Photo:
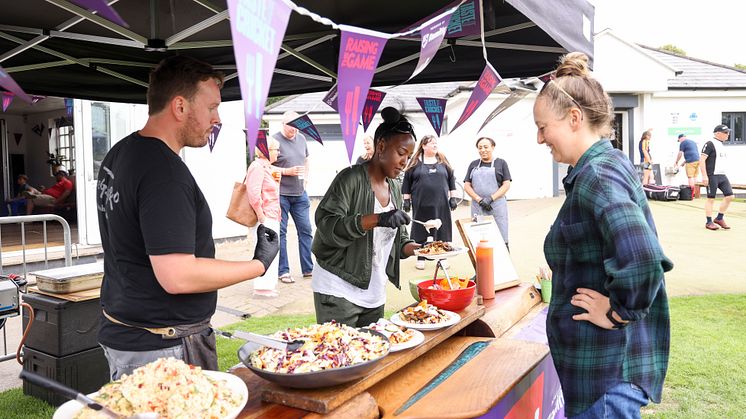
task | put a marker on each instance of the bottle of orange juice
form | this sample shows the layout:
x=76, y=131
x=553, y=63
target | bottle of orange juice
x=485, y=270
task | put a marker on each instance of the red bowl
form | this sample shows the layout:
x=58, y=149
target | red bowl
x=452, y=300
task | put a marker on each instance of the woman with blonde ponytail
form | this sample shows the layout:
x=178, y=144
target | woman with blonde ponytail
x=608, y=321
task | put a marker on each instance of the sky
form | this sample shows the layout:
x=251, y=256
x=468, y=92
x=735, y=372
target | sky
x=713, y=30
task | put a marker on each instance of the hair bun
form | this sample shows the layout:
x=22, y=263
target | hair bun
x=390, y=115
x=573, y=64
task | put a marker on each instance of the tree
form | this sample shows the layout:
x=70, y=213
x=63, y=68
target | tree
x=740, y=66
x=673, y=48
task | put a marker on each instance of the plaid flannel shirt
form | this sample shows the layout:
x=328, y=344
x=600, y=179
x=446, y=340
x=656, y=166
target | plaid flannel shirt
x=604, y=238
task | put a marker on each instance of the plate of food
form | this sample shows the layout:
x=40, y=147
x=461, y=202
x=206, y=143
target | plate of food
x=439, y=250
x=169, y=387
x=401, y=337
x=331, y=354
x=425, y=316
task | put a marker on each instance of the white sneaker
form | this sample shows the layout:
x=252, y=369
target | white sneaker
x=420, y=265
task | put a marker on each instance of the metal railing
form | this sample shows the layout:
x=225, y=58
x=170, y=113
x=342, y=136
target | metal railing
x=23, y=220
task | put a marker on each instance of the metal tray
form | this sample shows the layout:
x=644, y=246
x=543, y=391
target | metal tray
x=68, y=285
x=315, y=379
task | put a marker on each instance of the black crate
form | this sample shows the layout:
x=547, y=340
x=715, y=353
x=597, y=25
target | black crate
x=84, y=371
x=62, y=327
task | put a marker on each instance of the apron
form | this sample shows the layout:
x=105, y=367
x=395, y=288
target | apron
x=484, y=183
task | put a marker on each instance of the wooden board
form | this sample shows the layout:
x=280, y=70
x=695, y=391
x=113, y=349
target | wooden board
x=507, y=308
x=505, y=275
x=327, y=399
x=75, y=297
x=472, y=389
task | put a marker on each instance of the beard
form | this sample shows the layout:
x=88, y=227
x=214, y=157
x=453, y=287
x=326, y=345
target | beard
x=190, y=135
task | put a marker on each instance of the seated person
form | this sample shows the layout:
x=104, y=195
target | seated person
x=51, y=197
x=18, y=203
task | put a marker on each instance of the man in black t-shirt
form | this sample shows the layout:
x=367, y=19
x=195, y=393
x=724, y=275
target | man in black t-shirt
x=713, y=166
x=160, y=276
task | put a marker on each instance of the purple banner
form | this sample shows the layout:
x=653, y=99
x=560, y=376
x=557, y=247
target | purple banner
x=372, y=103
x=431, y=37
x=331, y=98
x=358, y=60
x=7, y=83
x=304, y=124
x=103, y=10
x=7, y=100
x=261, y=141
x=434, y=108
x=69, y=107
x=213, y=138
x=257, y=28
x=546, y=77
x=486, y=84
x=18, y=138
x=465, y=21
x=509, y=101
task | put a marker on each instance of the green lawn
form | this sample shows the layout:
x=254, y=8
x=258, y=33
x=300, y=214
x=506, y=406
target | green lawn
x=705, y=377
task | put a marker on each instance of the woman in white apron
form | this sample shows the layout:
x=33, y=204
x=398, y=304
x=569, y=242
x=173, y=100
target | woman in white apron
x=487, y=181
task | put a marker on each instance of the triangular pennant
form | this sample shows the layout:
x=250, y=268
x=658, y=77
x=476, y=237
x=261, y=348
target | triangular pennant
x=69, y=106
x=261, y=141
x=372, y=102
x=7, y=83
x=331, y=98
x=434, y=109
x=213, y=138
x=431, y=37
x=18, y=136
x=509, y=101
x=358, y=60
x=7, y=100
x=465, y=21
x=103, y=10
x=38, y=129
x=36, y=99
x=486, y=84
x=305, y=125
x=546, y=77
x=257, y=29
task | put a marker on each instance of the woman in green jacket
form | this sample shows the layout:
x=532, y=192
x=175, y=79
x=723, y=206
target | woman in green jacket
x=361, y=230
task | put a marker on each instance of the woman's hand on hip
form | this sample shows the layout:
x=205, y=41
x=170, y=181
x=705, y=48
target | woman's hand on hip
x=595, y=304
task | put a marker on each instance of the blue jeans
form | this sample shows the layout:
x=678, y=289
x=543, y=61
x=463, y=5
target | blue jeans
x=622, y=401
x=299, y=207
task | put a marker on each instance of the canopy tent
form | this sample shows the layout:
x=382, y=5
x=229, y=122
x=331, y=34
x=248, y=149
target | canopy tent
x=55, y=48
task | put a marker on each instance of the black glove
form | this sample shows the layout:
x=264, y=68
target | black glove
x=485, y=203
x=393, y=219
x=407, y=205
x=267, y=246
x=453, y=203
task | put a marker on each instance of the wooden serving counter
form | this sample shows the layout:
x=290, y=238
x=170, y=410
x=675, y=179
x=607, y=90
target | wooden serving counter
x=470, y=391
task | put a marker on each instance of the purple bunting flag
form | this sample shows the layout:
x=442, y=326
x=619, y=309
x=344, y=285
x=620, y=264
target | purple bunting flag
x=372, y=103
x=509, y=101
x=331, y=98
x=431, y=37
x=18, y=137
x=434, y=109
x=358, y=60
x=103, y=10
x=213, y=138
x=546, y=77
x=486, y=84
x=7, y=83
x=305, y=125
x=69, y=106
x=7, y=100
x=465, y=21
x=261, y=141
x=257, y=27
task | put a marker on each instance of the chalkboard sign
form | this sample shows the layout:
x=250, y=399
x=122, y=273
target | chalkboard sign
x=472, y=232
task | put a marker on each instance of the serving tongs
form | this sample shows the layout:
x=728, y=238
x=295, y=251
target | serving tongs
x=270, y=341
x=439, y=265
x=69, y=393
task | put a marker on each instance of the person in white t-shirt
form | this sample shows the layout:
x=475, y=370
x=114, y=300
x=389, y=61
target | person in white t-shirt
x=713, y=163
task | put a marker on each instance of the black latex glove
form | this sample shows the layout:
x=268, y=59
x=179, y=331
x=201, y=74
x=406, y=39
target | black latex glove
x=393, y=219
x=453, y=203
x=267, y=246
x=407, y=205
x=485, y=204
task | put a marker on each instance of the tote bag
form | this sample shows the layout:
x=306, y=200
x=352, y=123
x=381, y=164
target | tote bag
x=239, y=209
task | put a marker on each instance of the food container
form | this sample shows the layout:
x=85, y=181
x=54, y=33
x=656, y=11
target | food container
x=452, y=300
x=70, y=279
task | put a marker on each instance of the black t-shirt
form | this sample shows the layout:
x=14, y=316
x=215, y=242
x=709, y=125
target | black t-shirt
x=502, y=173
x=148, y=204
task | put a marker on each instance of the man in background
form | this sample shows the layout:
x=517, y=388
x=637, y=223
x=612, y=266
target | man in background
x=53, y=196
x=293, y=164
x=689, y=150
x=713, y=162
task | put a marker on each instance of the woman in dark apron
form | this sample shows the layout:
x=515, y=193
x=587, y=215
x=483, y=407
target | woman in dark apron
x=487, y=181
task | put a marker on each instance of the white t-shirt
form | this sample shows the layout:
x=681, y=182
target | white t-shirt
x=325, y=282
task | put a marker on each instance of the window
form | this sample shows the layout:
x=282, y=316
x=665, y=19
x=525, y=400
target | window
x=62, y=144
x=330, y=132
x=100, y=133
x=737, y=123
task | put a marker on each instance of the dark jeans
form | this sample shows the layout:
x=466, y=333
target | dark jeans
x=329, y=307
x=624, y=400
x=299, y=207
